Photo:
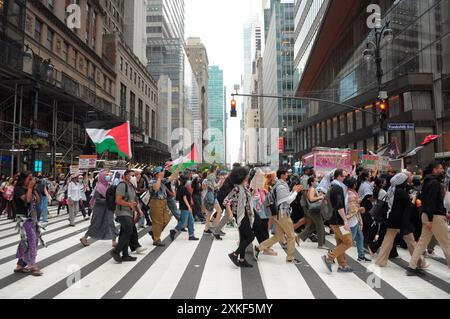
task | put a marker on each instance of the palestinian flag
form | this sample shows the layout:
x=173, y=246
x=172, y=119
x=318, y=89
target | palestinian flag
x=113, y=137
x=189, y=160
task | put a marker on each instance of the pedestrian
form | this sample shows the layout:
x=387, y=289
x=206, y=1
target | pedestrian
x=8, y=197
x=184, y=198
x=365, y=193
x=225, y=186
x=284, y=227
x=159, y=210
x=339, y=223
x=25, y=200
x=127, y=207
x=354, y=218
x=314, y=201
x=434, y=218
x=83, y=198
x=171, y=203
x=398, y=219
x=102, y=222
x=260, y=226
x=143, y=187
x=238, y=202
x=73, y=199
x=61, y=193
x=197, y=198
x=43, y=191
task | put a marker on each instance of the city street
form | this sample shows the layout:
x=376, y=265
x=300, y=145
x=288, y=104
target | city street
x=187, y=270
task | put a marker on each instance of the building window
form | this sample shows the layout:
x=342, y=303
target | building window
x=359, y=120
x=147, y=120
x=121, y=64
x=395, y=106
x=368, y=115
x=140, y=111
x=126, y=69
x=65, y=51
x=50, y=36
x=37, y=30
x=335, y=128
x=153, y=124
x=132, y=106
x=350, y=122
x=329, y=130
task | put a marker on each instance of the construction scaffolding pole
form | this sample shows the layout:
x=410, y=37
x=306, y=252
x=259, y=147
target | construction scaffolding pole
x=71, y=146
x=19, y=154
x=14, y=131
x=54, y=131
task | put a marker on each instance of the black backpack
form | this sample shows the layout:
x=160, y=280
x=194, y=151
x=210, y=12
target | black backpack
x=111, y=196
x=272, y=201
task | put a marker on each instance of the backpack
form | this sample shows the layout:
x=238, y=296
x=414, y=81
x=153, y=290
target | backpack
x=326, y=209
x=272, y=202
x=111, y=196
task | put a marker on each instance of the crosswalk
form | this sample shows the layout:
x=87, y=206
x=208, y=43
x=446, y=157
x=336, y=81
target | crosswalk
x=201, y=270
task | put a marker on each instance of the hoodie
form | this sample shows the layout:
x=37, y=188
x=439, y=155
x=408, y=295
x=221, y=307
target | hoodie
x=432, y=197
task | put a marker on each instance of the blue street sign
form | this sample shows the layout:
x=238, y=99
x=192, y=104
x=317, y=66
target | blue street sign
x=401, y=127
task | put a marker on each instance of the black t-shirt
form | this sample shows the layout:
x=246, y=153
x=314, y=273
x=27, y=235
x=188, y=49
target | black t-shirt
x=19, y=204
x=182, y=191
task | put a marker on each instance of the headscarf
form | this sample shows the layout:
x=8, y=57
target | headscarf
x=325, y=183
x=345, y=190
x=102, y=184
x=365, y=189
x=397, y=180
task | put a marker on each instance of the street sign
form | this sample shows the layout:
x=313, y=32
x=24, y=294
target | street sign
x=401, y=127
x=88, y=161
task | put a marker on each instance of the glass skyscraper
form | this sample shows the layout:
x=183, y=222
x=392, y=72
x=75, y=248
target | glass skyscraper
x=216, y=114
x=278, y=77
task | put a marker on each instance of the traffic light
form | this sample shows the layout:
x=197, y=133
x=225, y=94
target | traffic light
x=383, y=106
x=233, y=112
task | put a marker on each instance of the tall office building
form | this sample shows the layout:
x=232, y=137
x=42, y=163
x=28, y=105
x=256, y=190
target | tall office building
x=166, y=55
x=198, y=57
x=278, y=77
x=134, y=28
x=216, y=114
x=165, y=19
x=114, y=19
x=308, y=18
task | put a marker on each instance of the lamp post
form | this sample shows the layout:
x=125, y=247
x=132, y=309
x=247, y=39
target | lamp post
x=41, y=69
x=373, y=52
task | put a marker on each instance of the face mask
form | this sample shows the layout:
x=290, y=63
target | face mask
x=133, y=181
x=108, y=178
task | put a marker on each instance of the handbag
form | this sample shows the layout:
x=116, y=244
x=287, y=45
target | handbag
x=314, y=207
x=447, y=201
x=378, y=211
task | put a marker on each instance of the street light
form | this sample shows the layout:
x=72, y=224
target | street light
x=43, y=70
x=373, y=51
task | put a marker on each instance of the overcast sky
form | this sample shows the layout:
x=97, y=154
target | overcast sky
x=220, y=23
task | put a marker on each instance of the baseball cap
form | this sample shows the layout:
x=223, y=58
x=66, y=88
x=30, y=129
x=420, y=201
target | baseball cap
x=157, y=170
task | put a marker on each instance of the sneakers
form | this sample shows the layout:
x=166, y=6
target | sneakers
x=294, y=261
x=415, y=272
x=217, y=237
x=256, y=252
x=173, y=232
x=222, y=233
x=129, y=258
x=140, y=250
x=313, y=238
x=327, y=263
x=234, y=259
x=345, y=269
x=245, y=264
x=116, y=256
x=207, y=232
x=193, y=238
x=364, y=259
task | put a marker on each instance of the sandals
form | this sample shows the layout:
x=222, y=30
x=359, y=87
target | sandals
x=22, y=271
x=36, y=272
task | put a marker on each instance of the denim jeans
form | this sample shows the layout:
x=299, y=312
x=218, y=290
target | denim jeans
x=173, y=207
x=358, y=237
x=43, y=209
x=186, y=218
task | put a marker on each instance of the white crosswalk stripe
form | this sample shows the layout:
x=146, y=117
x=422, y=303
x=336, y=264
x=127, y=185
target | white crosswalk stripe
x=189, y=269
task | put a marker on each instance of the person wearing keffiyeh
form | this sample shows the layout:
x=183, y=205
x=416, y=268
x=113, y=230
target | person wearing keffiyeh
x=238, y=201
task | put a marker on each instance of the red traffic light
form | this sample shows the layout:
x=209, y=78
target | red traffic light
x=233, y=108
x=383, y=106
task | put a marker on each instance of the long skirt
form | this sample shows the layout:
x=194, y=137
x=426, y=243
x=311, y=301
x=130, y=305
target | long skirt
x=27, y=249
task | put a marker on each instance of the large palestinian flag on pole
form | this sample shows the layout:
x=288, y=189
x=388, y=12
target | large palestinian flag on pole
x=113, y=137
x=189, y=160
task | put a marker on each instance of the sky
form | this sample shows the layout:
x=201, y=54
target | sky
x=220, y=25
